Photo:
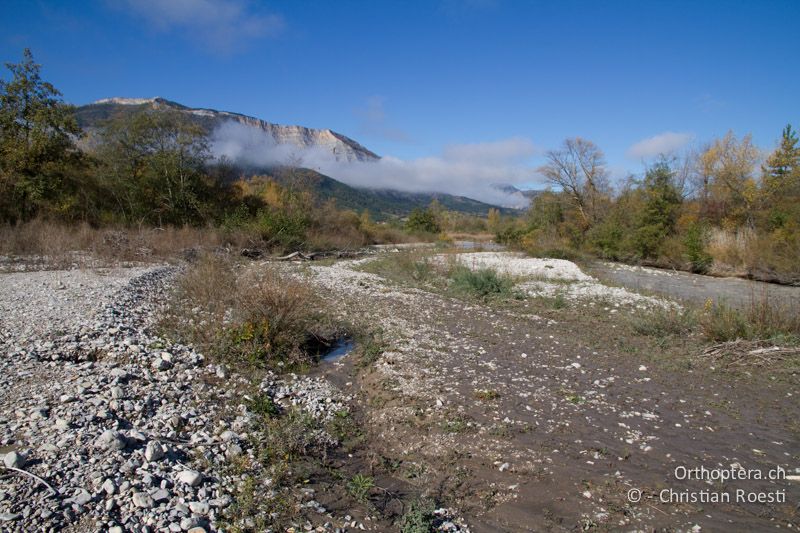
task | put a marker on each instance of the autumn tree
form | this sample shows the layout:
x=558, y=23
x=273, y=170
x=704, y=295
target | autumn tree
x=37, y=132
x=579, y=169
x=154, y=166
x=730, y=163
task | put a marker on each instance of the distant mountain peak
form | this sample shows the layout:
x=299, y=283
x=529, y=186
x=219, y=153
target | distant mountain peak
x=126, y=101
x=342, y=147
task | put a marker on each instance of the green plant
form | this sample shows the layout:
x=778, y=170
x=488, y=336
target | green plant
x=481, y=283
x=695, y=241
x=372, y=347
x=264, y=405
x=487, y=395
x=419, y=518
x=422, y=221
x=360, y=486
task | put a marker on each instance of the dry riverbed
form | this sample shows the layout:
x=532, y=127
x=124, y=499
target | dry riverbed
x=540, y=411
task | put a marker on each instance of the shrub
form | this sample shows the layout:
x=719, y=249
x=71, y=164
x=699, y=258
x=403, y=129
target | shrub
x=695, y=241
x=422, y=221
x=482, y=283
x=419, y=518
x=256, y=317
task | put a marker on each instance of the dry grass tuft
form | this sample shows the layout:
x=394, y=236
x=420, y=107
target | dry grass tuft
x=250, y=317
x=58, y=245
x=763, y=319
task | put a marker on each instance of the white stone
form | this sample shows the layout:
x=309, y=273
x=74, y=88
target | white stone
x=190, y=477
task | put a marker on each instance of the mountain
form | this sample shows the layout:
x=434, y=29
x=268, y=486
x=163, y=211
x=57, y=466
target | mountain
x=381, y=203
x=343, y=148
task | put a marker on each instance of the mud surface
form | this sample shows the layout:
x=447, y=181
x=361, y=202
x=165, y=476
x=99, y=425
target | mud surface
x=528, y=424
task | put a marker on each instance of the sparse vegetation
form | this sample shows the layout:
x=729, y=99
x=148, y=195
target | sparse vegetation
x=763, y=319
x=256, y=318
x=664, y=321
x=481, y=283
x=487, y=395
x=360, y=486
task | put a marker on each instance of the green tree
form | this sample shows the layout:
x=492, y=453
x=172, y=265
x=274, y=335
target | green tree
x=153, y=162
x=786, y=158
x=662, y=202
x=422, y=221
x=37, y=132
x=782, y=170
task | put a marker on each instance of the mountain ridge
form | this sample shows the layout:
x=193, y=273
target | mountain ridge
x=382, y=202
x=343, y=148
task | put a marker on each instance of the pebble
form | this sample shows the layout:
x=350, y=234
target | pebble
x=190, y=477
x=14, y=460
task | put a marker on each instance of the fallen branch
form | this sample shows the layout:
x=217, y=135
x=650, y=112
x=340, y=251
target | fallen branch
x=749, y=353
x=34, y=476
x=312, y=256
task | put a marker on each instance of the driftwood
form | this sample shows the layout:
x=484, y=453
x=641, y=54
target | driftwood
x=34, y=476
x=313, y=256
x=741, y=353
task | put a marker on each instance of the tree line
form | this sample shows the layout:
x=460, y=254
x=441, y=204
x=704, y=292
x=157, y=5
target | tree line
x=144, y=169
x=719, y=208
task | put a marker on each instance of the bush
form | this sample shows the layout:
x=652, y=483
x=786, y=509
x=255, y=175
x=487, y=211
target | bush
x=695, y=241
x=482, y=283
x=256, y=317
x=422, y=221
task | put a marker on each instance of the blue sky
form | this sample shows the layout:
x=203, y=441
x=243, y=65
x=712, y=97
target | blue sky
x=417, y=80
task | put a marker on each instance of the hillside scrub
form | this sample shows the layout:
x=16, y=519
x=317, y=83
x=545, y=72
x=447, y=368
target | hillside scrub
x=719, y=211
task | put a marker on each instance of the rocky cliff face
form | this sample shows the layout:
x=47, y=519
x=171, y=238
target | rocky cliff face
x=343, y=148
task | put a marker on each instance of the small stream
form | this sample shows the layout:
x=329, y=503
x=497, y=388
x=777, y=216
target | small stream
x=339, y=349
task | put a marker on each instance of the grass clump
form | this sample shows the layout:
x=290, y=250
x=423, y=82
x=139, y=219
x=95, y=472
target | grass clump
x=371, y=347
x=761, y=319
x=482, y=283
x=411, y=267
x=264, y=405
x=487, y=395
x=360, y=486
x=661, y=322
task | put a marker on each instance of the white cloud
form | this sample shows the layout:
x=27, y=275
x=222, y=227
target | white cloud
x=222, y=26
x=466, y=170
x=515, y=149
x=663, y=143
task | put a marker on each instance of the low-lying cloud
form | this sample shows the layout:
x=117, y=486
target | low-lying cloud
x=663, y=143
x=469, y=170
